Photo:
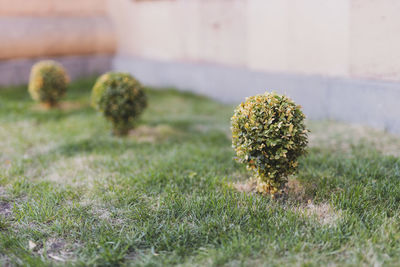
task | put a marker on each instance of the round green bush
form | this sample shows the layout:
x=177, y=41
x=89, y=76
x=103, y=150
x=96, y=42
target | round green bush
x=121, y=99
x=269, y=134
x=48, y=82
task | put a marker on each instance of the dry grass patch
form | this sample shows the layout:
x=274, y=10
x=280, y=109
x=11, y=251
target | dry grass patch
x=324, y=213
x=294, y=190
x=342, y=137
x=36, y=141
x=102, y=212
x=248, y=186
x=64, y=106
x=148, y=134
x=75, y=171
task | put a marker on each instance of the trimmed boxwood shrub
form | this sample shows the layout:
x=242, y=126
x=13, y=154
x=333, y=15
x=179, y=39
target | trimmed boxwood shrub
x=269, y=134
x=48, y=82
x=120, y=98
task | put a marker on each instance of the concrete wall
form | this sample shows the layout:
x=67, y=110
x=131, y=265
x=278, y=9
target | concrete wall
x=74, y=32
x=340, y=59
x=348, y=38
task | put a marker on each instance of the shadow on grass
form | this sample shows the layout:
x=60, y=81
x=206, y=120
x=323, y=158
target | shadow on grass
x=100, y=146
x=116, y=145
x=20, y=92
x=58, y=114
x=16, y=103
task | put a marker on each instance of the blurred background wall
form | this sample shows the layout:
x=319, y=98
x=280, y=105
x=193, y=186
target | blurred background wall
x=347, y=38
x=340, y=59
x=78, y=33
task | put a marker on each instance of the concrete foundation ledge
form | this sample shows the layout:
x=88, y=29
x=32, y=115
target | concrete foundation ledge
x=16, y=71
x=367, y=102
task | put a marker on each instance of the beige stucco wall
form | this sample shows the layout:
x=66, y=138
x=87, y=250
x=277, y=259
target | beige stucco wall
x=181, y=30
x=52, y=7
x=375, y=39
x=300, y=36
x=55, y=36
x=39, y=28
x=346, y=38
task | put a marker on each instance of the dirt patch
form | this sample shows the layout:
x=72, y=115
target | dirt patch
x=324, y=213
x=294, y=189
x=56, y=249
x=248, y=186
x=64, y=106
x=148, y=134
x=3, y=193
x=131, y=256
x=5, y=261
x=5, y=206
x=5, y=209
x=55, y=245
x=70, y=105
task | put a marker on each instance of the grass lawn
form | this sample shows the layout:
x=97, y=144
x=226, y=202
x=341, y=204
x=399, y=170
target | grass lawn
x=70, y=193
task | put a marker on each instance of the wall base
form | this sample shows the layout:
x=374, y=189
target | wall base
x=372, y=103
x=16, y=71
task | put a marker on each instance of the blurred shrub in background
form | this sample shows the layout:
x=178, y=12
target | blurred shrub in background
x=48, y=82
x=121, y=99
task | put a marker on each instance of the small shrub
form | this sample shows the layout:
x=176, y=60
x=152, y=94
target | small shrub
x=269, y=134
x=48, y=82
x=121, y=99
